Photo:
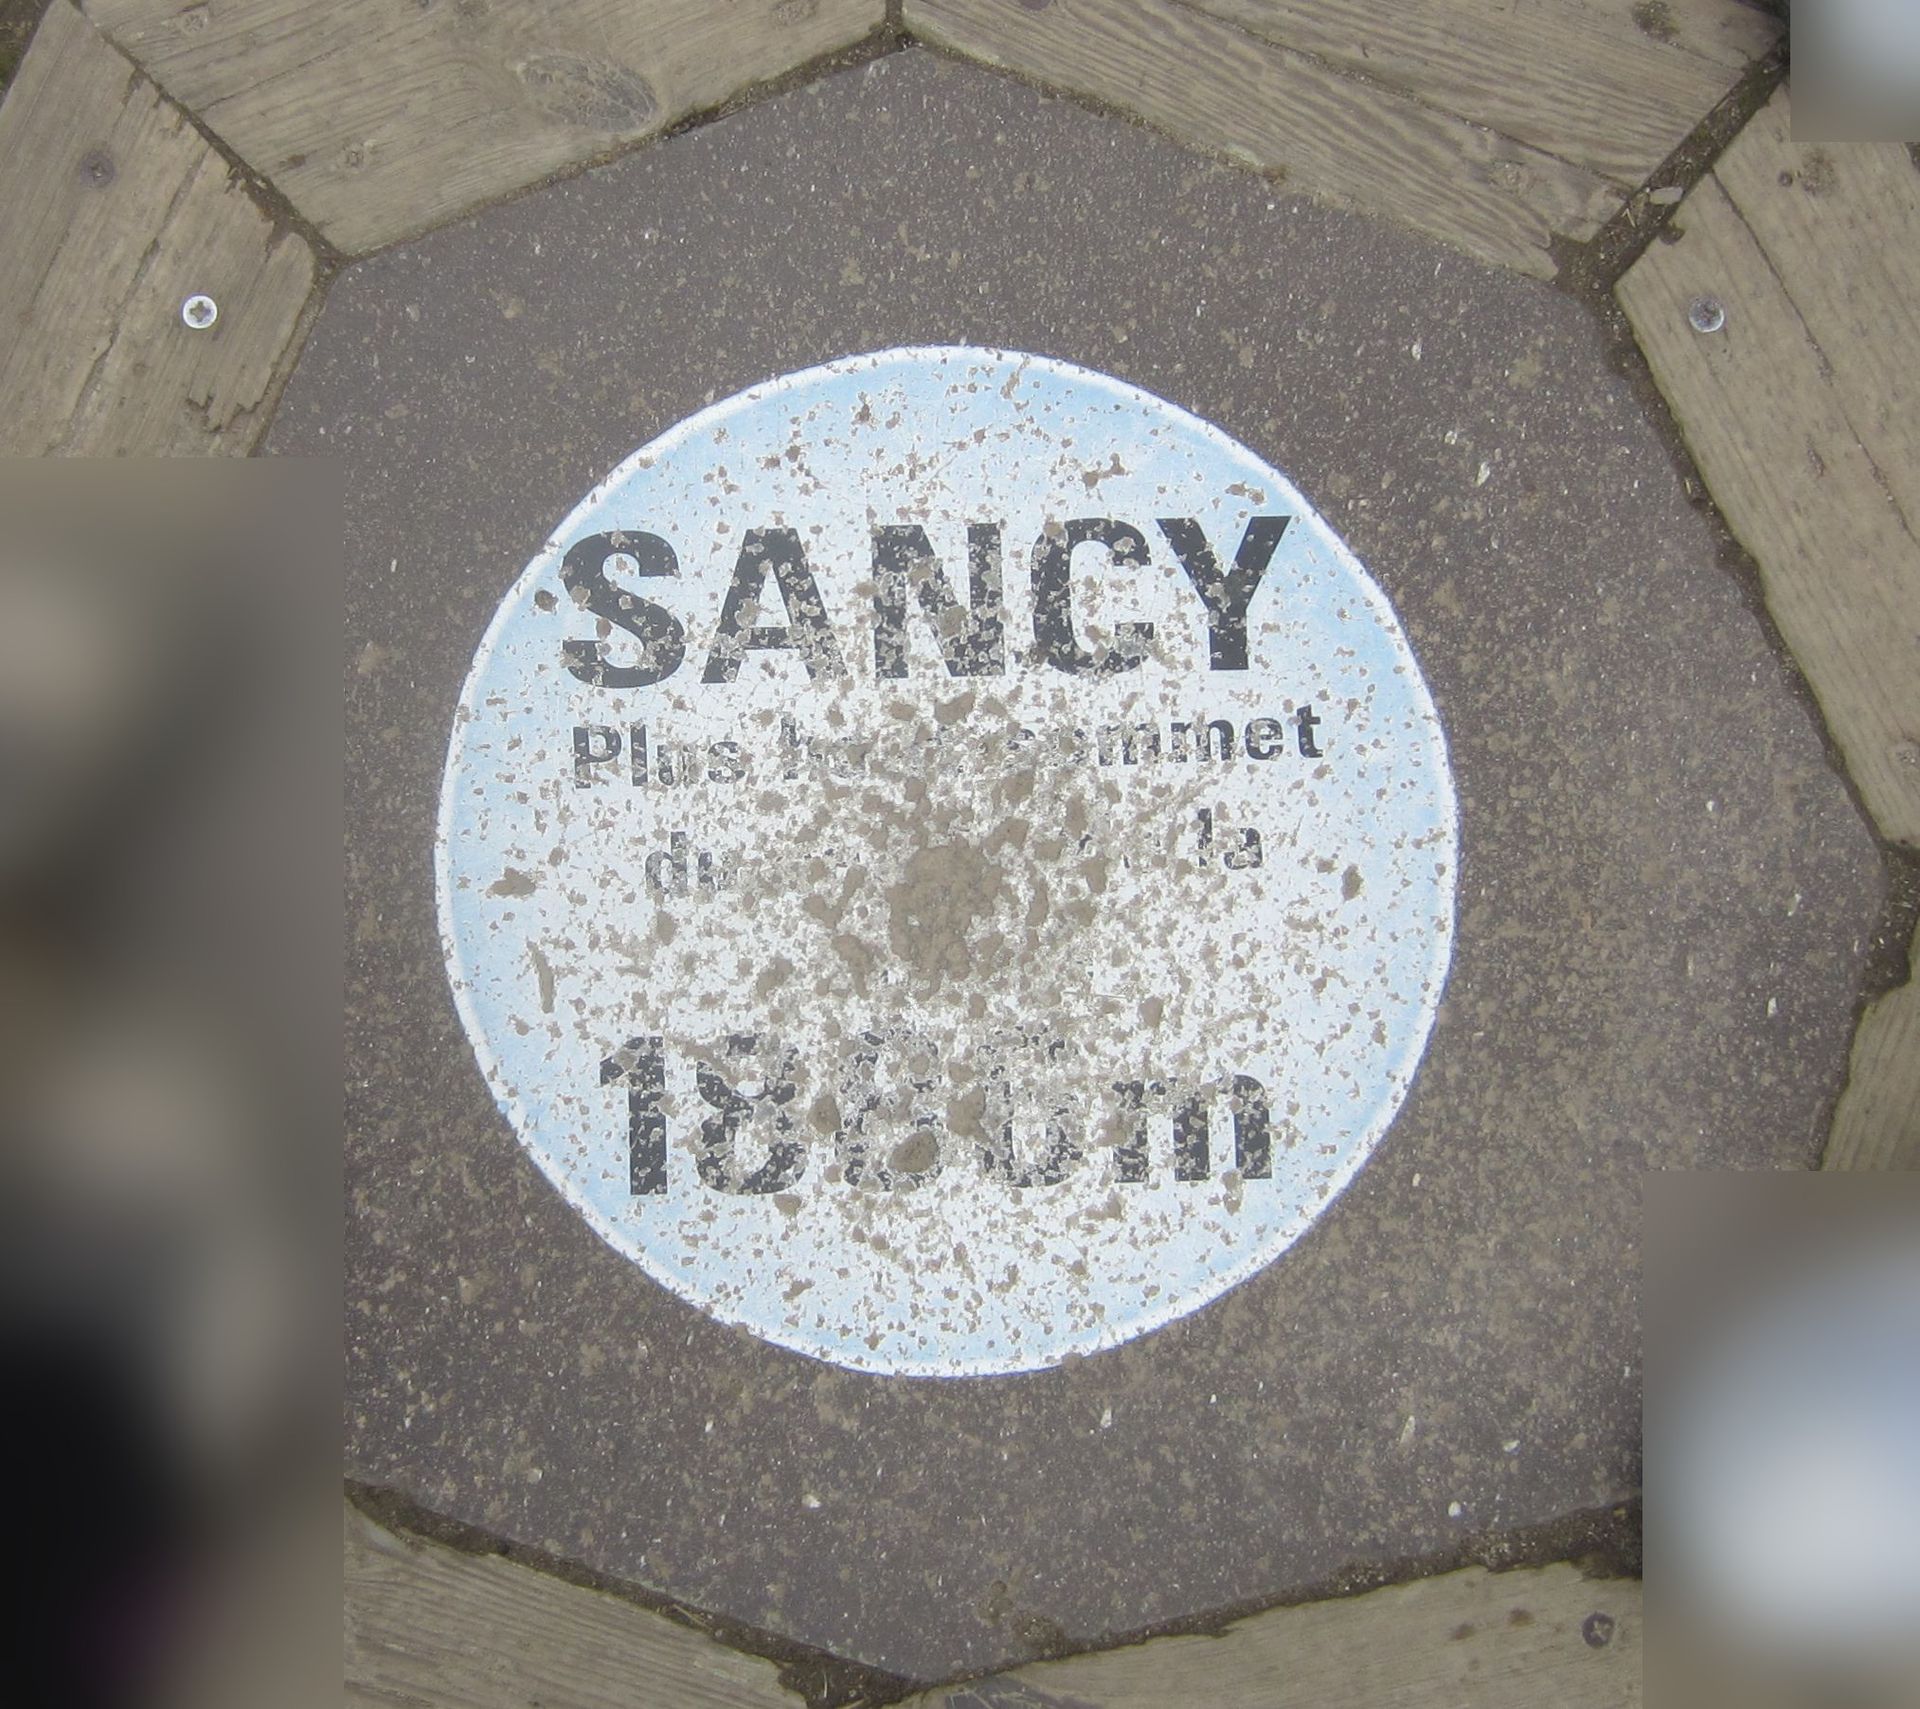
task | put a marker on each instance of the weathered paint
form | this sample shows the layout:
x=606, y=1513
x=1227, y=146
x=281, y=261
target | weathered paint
x=885, y=1028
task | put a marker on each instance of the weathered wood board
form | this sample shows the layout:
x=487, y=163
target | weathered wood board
x=1466, y=1640
x=1840, y=224
x=1612, y=87
x=1877, y=1123
x=1801, y=414
x=1216, y=86
x=378, y=119
x=116, y=210
x=429, y=1626
x=433, y=1628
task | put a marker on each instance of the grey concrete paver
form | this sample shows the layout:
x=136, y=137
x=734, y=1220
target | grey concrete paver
x=1663, y=902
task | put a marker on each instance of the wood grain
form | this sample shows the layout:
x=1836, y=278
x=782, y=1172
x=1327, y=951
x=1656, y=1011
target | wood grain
x=1877, y=1123
x=431, y=1628
x=378, y=118
x=1840, y=225
x=1612, y=87
x=115, y=211
x=1760, y=406
x=1214, y=85
x=1466, y=1640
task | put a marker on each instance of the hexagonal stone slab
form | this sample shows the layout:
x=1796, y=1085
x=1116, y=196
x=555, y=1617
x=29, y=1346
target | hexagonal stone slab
x=1663, y=891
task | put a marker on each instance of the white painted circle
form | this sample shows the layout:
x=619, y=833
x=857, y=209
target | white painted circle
x=1005, y=984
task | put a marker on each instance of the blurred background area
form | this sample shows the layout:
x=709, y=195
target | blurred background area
x=1856, y=70
x=169, y=1079
x=1782, y=1438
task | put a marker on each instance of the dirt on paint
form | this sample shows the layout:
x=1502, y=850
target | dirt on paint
x=1655, y=18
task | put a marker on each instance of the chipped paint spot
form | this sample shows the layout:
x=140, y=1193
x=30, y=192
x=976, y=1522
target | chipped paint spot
x=947, y=861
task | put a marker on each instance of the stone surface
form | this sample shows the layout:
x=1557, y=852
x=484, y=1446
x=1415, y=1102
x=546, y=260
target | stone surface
x=1663, y=900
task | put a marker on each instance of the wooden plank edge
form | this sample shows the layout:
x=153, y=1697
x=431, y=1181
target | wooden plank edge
x=88, y=425
x=1876, y=1124
x=1500, y=1640
x=1628, y=161
x=431, y=1626
x=1840, y=225
x=1875, y=724
x=360, y=231
x=1509, y=231
x=261, y=417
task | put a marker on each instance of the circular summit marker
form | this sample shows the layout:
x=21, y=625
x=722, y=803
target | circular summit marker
x=947, y=861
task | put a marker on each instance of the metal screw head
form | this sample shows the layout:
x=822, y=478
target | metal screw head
x=199, y=311
x=1704, y=314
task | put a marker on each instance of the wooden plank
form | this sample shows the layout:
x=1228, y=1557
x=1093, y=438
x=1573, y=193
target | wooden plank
x=1841, y=225
x=1615, y=87
x=1465, y=1640
x=1769, y=429
x=1877, y=1123
x=1212, y=84
x=432, y=1628
x=377, y=119
x=116, y=211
